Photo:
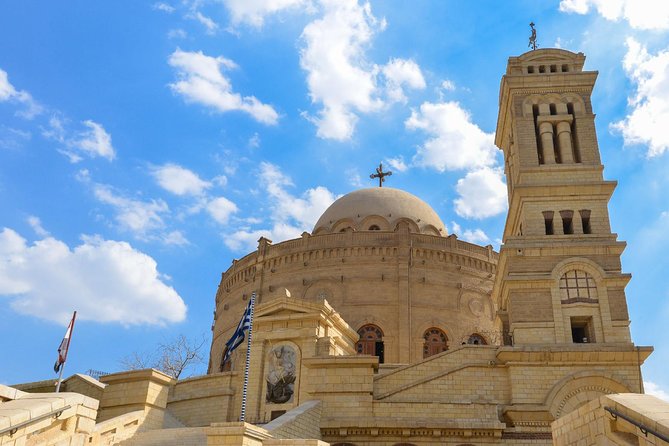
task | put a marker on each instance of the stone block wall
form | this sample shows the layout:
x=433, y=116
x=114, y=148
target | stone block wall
x=202, y=400
x=591, y=424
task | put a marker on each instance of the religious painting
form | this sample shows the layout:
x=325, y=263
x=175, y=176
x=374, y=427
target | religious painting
x=281, y=375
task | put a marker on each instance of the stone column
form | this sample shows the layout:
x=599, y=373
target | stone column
x=564, y=140
x=547, y=147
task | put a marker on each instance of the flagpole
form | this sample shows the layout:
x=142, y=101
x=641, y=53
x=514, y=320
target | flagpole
x=248, y=359
x=67, y=348
x=60, y=378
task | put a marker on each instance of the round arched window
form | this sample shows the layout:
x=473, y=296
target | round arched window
x=371, y=341
x=476, y=339
x=374, y=228
x=435, y=342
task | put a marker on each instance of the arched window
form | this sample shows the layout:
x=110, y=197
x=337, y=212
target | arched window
x=374, y=228
x=371, y=341
x=435, y=342
x=577, y=284
x=476, y=339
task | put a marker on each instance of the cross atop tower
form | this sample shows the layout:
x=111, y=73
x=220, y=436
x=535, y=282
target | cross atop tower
x=533, y=37
x=380, y=174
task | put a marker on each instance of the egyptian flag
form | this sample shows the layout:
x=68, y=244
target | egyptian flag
x=64, y=346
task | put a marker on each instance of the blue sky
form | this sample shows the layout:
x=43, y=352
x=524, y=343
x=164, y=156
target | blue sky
x=145, y=145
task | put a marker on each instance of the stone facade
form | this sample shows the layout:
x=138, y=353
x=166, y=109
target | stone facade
x=550, y=306
x=379, y=329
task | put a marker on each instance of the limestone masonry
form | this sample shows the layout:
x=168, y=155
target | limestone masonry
x=380, y=329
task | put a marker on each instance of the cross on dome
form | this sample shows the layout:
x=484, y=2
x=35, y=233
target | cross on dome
x=380, y=174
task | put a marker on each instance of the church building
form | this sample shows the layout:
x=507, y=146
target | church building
x=406, y=334
x=379, y=328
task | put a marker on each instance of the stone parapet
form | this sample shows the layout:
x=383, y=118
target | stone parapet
x=47, y=418
x=145, y=390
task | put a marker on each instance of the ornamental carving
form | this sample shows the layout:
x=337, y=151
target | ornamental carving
x=281, y=375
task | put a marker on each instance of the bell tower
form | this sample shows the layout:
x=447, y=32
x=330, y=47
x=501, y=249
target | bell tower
x=559, y=277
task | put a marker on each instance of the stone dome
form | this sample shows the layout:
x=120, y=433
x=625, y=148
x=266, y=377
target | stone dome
x=379, y=208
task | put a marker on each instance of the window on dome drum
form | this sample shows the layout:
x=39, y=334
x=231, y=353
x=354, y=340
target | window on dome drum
x=577, y=285
x=371, y=341
x=476, y=339
x=374, y=228
x=435, y=342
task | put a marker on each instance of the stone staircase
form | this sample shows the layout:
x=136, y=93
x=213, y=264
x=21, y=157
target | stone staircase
x=433, y=368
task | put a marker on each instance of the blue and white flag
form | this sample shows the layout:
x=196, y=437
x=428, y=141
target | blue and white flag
x=238, y=336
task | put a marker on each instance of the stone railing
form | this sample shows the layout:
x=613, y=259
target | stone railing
x=46, y=418
x=623, y=418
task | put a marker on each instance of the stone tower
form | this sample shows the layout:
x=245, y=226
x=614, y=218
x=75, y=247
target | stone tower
x=559, y=277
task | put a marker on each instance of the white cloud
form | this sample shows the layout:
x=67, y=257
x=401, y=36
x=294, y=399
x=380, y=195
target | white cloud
x=139, y=217
x=9, y=93
x=475, y=236
x=221, y=209
x=104, y=280
x=640, y=14
x=175, y=238
x=56, y=129
x=202, y=81
x=13, y=139
x=93, y=142
x=470, y=235
x=253, y=12
x=649, y=116
x=254, y=141
x=177, y=33
x=220, y=180
x=207, y=22
x=36, y=224
x=179, y=180
x=246, y=240
x=457, y=229
x=160, y=6
x=653, y=389
x=399, y=73
x=455, y=143
x=448, y=85
x=340, y=78
x=397, y=164
x=354, y=178
x=304, y=211
x=482, y=194
x=338, y=74
x=290, y=215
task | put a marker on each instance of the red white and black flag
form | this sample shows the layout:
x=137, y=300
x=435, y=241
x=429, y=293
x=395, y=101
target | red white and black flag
x=64, y=346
